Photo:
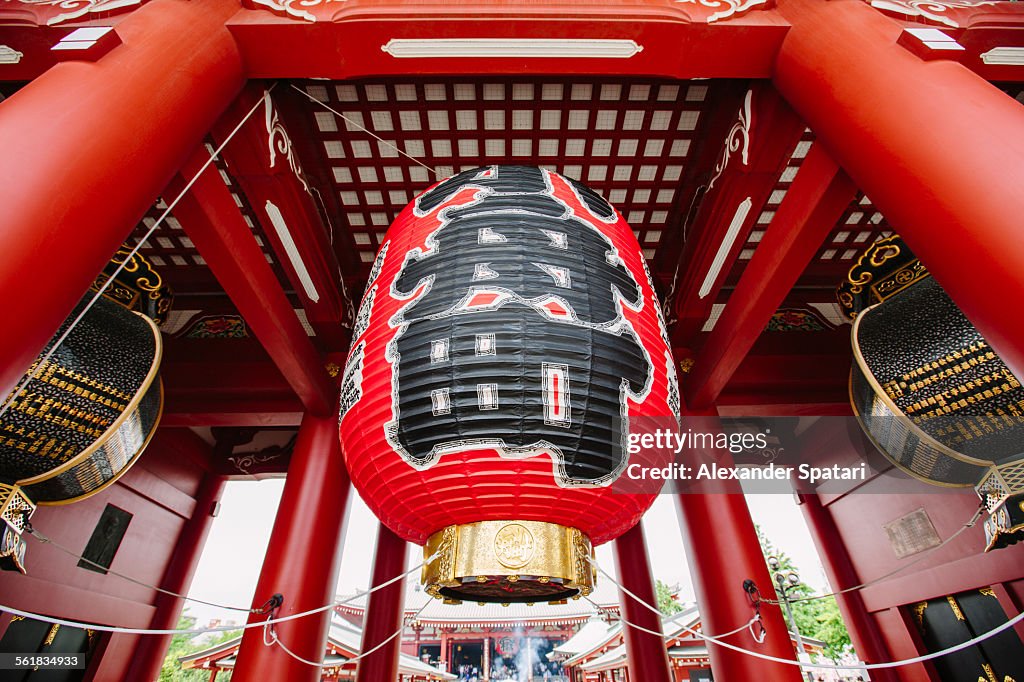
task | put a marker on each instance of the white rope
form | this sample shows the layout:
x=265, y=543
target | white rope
x=159, y=221
x=748, y=625
x=899, y=569
x=758, y=637
x=274, y=639
x=355, y=125
x=46, y=540
x=824, y=666
x=199, y=631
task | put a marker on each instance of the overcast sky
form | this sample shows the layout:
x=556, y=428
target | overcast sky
x=230, y=564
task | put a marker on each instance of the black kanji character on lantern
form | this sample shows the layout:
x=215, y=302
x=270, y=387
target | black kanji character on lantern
x=518, y=342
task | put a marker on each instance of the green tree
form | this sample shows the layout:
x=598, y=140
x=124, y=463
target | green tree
x=666, y=599
x=815, y=618
x=183, y=645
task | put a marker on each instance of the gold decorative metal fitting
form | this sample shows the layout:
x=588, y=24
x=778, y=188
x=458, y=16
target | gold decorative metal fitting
x=501, y=562
x=15, y=507
x=1002, y=491
x=884, y=269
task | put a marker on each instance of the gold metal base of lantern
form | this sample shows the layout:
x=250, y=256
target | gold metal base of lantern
x=501, y=562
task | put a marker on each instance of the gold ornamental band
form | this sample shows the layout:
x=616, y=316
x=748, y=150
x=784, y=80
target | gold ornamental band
x=514, y=550
x=82, y=460
x=881, y=397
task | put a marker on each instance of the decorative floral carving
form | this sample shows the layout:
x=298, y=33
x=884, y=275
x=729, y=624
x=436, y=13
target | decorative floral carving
x=738, y=139
x=446, y=554
x=245, y=462
x=77, y=8
x=278, y=141
x=216, y=327
x=293, y=8
x=729, y=7
x=798, y=320
x=929, y=9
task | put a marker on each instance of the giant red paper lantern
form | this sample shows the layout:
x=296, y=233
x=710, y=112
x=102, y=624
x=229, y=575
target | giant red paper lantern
x=508, y=336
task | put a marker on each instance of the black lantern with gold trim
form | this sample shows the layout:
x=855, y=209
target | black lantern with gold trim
x=88, y=407
x=935, y=398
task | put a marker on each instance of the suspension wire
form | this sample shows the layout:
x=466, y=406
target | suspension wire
x=824, y=666
x=898, y=569
x=358, y=127
x=222, y=628
x=274, y=639
x=131, y=254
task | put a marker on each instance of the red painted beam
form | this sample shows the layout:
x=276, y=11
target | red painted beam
x=790, y=374
x=87, y=149
x=383, y=614
x=225, y=382
x=189, y=412
x=262, y=161
x=294, y=108
x=35, y=41
x=647, y=656
x=814, y=202
x=898, y=126
x=704, y=152
x=302, y=558
x=675, y=40
x=211, y=218
x=765, y=131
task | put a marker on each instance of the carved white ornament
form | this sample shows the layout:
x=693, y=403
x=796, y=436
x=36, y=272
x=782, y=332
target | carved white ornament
x=738, y=139
x=8, y=55
x=293, y=7
x=551, y=48
x=729, y=7
x=929, y=9
x=78, y=8
x=278, y=140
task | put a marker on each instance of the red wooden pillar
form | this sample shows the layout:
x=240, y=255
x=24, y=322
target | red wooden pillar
x=384, y=610
x=724, y=551
x=149, y=654
x=87, y=149
x=937, y=148
x=867, y=640
x=646, y=654
x=302, y=558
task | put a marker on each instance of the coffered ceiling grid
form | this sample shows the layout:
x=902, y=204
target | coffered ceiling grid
x=630, y=141
x=860, y=225
x=174, y=255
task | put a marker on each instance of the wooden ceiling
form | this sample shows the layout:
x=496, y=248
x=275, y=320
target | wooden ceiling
x=648, y=145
